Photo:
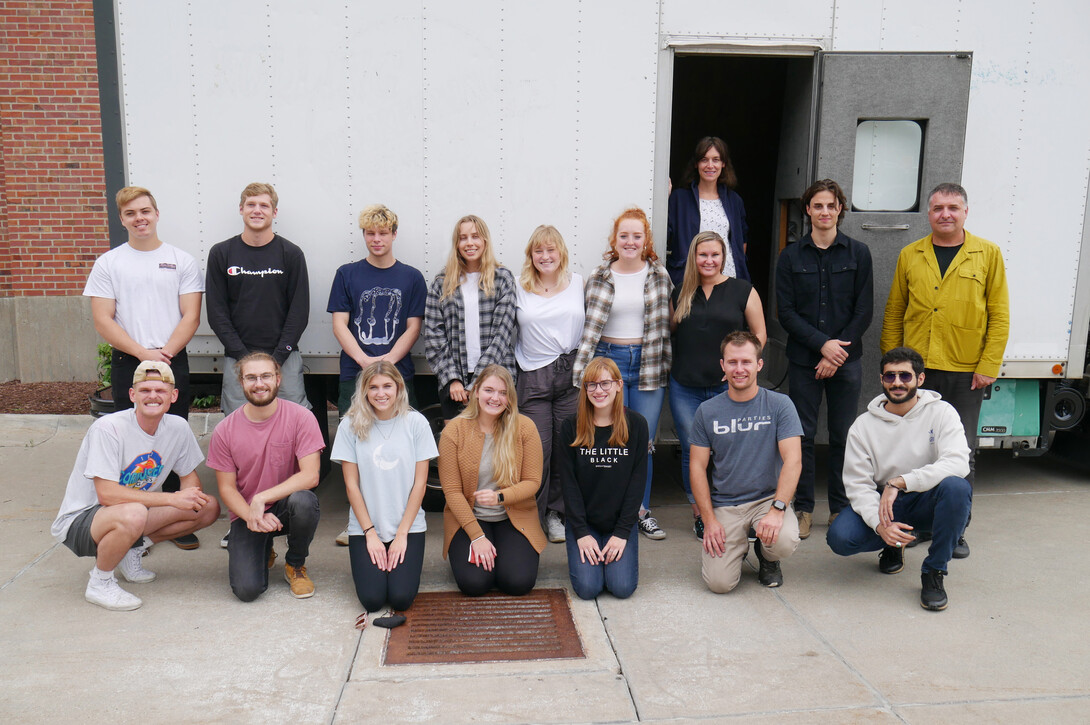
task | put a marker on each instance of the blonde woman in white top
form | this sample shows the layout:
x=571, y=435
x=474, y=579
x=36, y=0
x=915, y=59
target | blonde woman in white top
x=550, y=317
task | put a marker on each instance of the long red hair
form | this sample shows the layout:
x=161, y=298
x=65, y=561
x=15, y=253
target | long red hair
x=584, y=420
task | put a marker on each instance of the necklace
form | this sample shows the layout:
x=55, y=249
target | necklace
x=385, y=435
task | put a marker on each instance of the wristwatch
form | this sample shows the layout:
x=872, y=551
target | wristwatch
x=779, y=505
x=499, y=497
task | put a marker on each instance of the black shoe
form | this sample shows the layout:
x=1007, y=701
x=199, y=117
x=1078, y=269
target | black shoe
x=961, y=551
x=932, y=595
x=768, y=573
x=698, y=528
x=187, y=542
x=921, y=536
x=891, y=560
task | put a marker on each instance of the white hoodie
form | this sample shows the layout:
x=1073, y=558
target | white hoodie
x=924, y=446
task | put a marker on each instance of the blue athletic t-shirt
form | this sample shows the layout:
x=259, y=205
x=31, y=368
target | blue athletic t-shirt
x=379, y=303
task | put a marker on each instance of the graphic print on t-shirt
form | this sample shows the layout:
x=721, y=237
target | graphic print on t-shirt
x=376, y=323
x=741, y=425
x=143, y=472
x=381, y=461
x=604, y=457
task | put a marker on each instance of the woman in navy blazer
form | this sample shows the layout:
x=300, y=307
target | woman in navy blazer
x=706, y=201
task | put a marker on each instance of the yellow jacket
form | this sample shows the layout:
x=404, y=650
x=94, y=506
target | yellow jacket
x=959, y=321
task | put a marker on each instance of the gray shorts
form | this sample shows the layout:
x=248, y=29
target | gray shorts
x=79, y=533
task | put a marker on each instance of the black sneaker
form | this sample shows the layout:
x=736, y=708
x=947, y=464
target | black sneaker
x=187, y=542
x=891, y=560
x=961, y=551
x=921, y=536
x=768, y=573
x=698, y=527
x=932, y=594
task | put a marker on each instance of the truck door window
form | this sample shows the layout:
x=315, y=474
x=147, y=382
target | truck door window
x=887, y=165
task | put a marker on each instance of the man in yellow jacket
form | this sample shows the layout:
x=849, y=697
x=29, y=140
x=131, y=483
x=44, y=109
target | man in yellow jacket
x=949, y=301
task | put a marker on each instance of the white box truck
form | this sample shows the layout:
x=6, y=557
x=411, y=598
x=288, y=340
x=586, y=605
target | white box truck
x=566, y=112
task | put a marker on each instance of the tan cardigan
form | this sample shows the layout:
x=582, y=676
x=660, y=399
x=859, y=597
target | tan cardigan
x=460, y=449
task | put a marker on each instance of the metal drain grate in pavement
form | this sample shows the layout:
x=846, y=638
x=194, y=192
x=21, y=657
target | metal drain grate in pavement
x=449, y=627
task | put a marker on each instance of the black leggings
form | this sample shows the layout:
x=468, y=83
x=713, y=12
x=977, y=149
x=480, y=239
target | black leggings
x=375, y=587
x=515, y=569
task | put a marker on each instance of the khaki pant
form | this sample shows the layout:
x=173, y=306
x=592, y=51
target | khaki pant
x=721, y=573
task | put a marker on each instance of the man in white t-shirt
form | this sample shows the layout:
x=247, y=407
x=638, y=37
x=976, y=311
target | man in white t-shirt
x=146, y=302
x=113, y=507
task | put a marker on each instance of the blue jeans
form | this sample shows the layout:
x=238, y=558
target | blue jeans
x=841, y=400
x=684, y=401
x=943, y=511
x=619, y=577
x=647, y=403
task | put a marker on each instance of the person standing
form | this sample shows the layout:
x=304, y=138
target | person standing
x=259, y=297
x=549, y=311
x=825, y=298
x=949, y=301
x=628, y=321
x=706, y=201
x=146, y=302
x=377, y=305
x=469, y=320
x=706, y=307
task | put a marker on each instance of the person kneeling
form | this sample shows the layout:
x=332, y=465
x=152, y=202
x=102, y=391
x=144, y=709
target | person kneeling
x=756, y=438
x=904, y=470
x=385, y=522
x=266, y=458
x=490, y=469
x=114, y=508
x=603, y=469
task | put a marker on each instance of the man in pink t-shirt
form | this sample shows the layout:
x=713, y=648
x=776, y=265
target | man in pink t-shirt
x=266, y=459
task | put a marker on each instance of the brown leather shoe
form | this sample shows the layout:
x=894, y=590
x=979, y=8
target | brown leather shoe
x=806, y=522
x=301, y=585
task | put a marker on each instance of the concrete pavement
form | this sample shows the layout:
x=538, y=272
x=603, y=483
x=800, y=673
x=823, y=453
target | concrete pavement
x=838, y=643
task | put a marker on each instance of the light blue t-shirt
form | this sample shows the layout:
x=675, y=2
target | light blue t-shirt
x=387, y=464
x=744, y=441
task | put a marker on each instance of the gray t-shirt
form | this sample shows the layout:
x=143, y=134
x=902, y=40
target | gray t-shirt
x=116, y=448
x=744, y=438
x=486, y=481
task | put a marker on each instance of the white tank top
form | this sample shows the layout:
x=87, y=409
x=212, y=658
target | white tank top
x=626, y=314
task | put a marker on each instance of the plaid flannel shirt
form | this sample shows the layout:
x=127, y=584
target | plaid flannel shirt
x=445, y=331
x=655, y=357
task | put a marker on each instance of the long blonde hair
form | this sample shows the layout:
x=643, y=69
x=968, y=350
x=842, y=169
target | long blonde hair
x=360, y=415
x=545, y=235
x=505, y=435
x=455, y=271
x=584, y=420
x=691, y=280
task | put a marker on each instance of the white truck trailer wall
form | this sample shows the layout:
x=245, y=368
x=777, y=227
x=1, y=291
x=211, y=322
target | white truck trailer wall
x=547, y=113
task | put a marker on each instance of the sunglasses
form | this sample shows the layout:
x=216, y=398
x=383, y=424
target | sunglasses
x=903, y=376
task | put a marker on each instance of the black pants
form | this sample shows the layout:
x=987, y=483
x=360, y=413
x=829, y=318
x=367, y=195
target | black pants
x=449, y=408
x=515, y=569
x=248, y=551
x=123, y=367
x=954, y=389
x=375, y=587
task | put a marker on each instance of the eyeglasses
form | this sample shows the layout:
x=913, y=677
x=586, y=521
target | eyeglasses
x=604, y=385
x=903, y=376
x=263, y=377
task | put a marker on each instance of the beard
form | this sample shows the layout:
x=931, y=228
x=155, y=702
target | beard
x=905, y=394
x=272, y=392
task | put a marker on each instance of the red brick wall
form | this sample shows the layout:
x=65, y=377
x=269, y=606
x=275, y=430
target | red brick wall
x=53, y=220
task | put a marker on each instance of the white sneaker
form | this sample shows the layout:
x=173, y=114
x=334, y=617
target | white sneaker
x=554, y=527
x=223, y=541
x=107, y=594
x=342, y=538
x=132, y=565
